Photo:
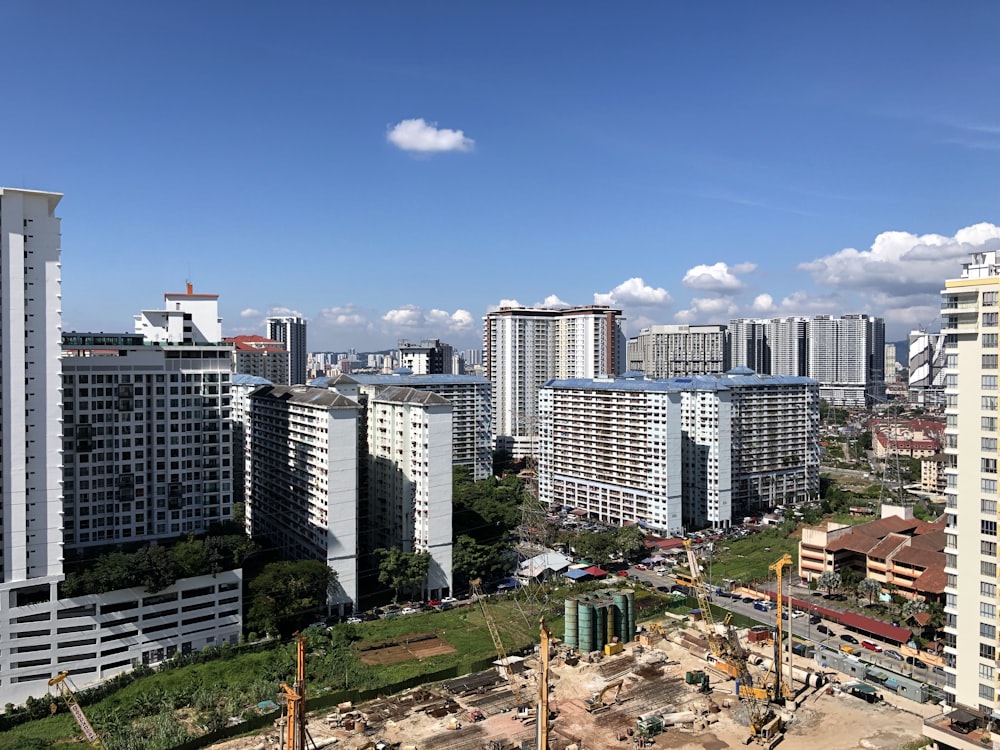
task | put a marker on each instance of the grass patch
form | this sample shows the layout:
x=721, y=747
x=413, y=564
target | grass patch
x=747, y=560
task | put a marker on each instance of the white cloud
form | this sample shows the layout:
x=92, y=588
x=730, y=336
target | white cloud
x=553, y=301
x=425, y=137
x=634, y=292
x=713, y=310
x=345, y=316
x=902, y=263
x=762, y=303
x=718, y=277
x=250, y=312
x=410, y=318
x=285, y=311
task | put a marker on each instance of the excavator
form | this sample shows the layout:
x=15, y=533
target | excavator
x=596, y=704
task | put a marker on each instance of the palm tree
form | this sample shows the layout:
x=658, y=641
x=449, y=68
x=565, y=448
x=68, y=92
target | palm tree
x=830, y=580
x=869, y=587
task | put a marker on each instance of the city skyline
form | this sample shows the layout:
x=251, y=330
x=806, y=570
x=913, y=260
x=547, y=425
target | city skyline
x=401, y=171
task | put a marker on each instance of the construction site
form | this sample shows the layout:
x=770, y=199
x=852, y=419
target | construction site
x=673, y=682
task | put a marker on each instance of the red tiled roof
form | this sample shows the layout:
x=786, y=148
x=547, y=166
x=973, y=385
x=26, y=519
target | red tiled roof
x=931, y=581
x=887, y=546
x=593, y=570
x=665, y=544
x=882, y=630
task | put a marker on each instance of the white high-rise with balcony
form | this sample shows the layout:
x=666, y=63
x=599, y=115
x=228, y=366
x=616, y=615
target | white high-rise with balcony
x=525, y=347
x=970, y=323
x=290, y=330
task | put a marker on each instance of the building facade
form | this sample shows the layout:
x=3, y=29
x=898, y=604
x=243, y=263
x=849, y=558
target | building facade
x=667, y=351
x=429, y=357
x=302, y=480
x=525, y=347
x=750, y=344
x=846, y=355
x=410, y=478
x=969, y=322
x=290, y=330
x=469, y=396
x=926, y=369
x=260, y=357
x=678, y=453
x=94, y=636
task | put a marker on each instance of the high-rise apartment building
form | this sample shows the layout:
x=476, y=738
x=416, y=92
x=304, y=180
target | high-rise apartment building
x=667, y=351
x=681, y=452
x=105, y=432
x=429, y=357
x=302, y=488
x=847, y=356
x=410, y=478
x=891, y=375
x=290, y=330
x=926, y=368
x=789, y=346
x=525, y=347
x=469, y=395
x=749, y=344
x=970, y=323
x=260, y=357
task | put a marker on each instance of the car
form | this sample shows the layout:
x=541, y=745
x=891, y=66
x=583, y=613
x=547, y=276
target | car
x=824, y=629
x=915, y=662
x=449, y=599
x=445, y=606
x=623, y=573
x=640, y=566
x=938, y=669
x=663, y=589
x=762, y=606
x=354, y=620
x=408, y=610
x=848, y=639
x=748, y=600
x=797, y=613
x=893, y=654
x=872, y=646
x=433, y=602
x=814, y=619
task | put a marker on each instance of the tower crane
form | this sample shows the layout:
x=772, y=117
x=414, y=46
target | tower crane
x=491, y=625
x=296, y=732
x=719, y=641
x=61, y=683
x=780, y=688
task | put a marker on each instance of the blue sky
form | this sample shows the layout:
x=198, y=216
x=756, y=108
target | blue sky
x=398, y=169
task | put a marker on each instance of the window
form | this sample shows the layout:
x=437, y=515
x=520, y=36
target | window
x=988, y=403
x=987, y=589
x=988, y=444
x=986, y=548
x=988, y=528
x=989, y=340
x=987, y=631
x=988, y=465
x=990, y=319
x=988, y=485
x=987, y=506
x=989, y=361
x=988, y=569
x=990, y=299
x=989, y=424
x=989, y=382
x=986, y=671
x=989, y=611
x=987, y=651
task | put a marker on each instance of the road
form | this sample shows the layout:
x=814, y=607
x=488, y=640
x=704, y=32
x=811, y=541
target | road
x=802, y=628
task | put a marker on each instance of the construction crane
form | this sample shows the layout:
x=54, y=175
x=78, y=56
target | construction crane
x=296, y=732
x=61, y=683
x=780, y=689
x=477, y=591
x=542, y=710
x=719, y=641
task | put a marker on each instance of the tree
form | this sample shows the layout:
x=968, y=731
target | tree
x=402, y=571
x=594, y=546
x=629, y=540
x=286, y=590
x=849, y=580
x=830, y=581
x=471, y=560
x=869, y=587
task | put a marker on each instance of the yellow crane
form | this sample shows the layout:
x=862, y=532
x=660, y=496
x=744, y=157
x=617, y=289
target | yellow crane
x=296, y=733
x=780, y=689
x=491, y=625
x=61, y=683
x=719, y=641
x=542, y=711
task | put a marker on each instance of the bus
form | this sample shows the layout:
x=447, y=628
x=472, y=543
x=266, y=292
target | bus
x=683, y=582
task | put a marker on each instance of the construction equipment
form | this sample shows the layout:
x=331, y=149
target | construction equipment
x=61, y=683
x=296, y=732
x=596, y=704
x=780, y=689
x=542, y=709
x=719, y=641
x=477, y=591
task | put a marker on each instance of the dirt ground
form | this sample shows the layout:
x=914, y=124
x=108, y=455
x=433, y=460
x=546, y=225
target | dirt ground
x=418, y=646
x=653, y=680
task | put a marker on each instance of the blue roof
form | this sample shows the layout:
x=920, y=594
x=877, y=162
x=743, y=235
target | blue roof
x=576, y=573
x=417, y=380
x=238, y=378
x=693, y=383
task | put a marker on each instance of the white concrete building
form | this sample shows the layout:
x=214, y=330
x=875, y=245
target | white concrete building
x=926, y=368
x=676, y=453
x=847, y=357
x=750, y=345
x=667, y=351
x=469, y=396
x=260, y=357
x=147, y=452
x=410, y=478
x=525, y=347
x=96, y=636
x=302, y=488
x=290, y=330
x=429, y=357
x=970, y=322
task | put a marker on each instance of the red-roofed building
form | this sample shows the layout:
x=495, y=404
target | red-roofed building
x=902, y=553
x=914, y=438
x=264, y=358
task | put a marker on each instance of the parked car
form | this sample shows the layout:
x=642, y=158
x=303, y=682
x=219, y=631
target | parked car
x=893, y=654
x=824, y=630
x=354, y=620
x=409, y=611
x=847, y=648
x=797, y=613
x=814, y=619
x=848, y=638
x=938, y=669
x=762, y=606
x=872, y=646
x=748, y=600
x=915, y=662
x=433, y=602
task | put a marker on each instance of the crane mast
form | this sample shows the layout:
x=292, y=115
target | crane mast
x=491, y=625
x=59, y=682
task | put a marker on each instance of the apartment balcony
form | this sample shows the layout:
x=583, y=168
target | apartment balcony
x=958, y=729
